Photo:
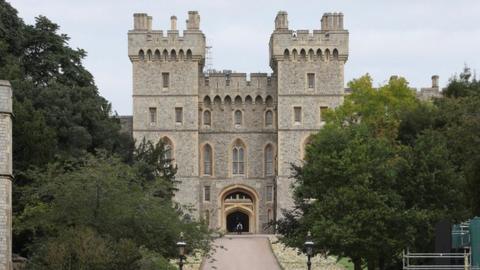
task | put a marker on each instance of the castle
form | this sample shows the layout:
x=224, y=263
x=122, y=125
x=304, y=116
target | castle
x=234, y=139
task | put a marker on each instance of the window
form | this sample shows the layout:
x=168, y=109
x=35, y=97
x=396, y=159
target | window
x=207, y=160
x=207, y=81
x=297, y=114
x=269, y=193
x=238, y=117
x=269, y=160
x=179, y=115
x=206, y=193
x=166, y=79
x=323, y=109
x=311, y=80
x=268, y=118
x=153, y=115
x=168, y=153
x=207, y=118
x=238, y=160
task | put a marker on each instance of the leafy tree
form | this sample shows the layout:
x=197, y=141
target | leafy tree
x=84, y=212
x=371, y=185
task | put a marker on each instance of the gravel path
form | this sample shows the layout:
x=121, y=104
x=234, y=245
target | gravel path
x=242, y=252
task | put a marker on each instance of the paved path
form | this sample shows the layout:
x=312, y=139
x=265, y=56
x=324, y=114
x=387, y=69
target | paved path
x=242, y=252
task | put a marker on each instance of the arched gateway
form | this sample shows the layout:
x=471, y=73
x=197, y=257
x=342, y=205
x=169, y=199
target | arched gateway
x=239, y=205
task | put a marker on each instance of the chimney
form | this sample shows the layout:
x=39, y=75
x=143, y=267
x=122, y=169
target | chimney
x=149, y=23
x=140, y=21
x=435, y=81
x=193, y=22
x=281, y=21
x=173, y=23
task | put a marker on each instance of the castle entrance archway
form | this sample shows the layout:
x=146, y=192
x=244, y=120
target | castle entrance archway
x=234, y=218
x=239, y=205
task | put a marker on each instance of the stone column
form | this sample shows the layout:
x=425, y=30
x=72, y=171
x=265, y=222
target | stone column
x=6, y=176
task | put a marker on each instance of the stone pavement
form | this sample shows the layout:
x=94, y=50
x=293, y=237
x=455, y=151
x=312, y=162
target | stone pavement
x=242, y=252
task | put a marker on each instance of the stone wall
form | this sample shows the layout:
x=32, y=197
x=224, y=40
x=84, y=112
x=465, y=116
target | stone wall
x=6, y=176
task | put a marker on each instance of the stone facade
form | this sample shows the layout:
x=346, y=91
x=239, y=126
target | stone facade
x=6, y=176
x=233, y=135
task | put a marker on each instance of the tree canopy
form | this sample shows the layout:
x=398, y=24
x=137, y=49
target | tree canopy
x=383, y=171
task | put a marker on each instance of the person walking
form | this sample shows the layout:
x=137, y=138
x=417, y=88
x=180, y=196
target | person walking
x=239, y=227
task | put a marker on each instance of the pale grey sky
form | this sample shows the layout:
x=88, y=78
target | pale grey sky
x=410, y=38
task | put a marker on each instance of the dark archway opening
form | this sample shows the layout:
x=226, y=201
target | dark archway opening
x=234, y=218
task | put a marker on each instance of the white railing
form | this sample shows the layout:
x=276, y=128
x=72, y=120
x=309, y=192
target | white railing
x=437, y=261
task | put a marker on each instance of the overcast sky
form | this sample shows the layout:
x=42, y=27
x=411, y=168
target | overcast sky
x=410, y=38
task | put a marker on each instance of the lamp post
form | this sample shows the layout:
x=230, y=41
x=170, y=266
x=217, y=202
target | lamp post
x=181, y=250
x=309, y=249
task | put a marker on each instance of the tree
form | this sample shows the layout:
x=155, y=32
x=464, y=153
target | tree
x=371, y=186
x=93, y=208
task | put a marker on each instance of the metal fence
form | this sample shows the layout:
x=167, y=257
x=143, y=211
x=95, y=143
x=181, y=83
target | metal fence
x=437, y=261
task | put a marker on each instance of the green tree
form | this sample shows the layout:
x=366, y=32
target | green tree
x=371, y=186
x=103, y=199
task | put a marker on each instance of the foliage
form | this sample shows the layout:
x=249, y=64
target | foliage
x=381, y=173
x=86, y=211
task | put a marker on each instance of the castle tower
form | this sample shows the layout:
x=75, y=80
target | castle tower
x=309, y=67
x=166, y=71
x=6, y=176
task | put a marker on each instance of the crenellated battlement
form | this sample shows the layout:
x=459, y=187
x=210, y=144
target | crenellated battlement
x=224, y=83
x=144, y=43
x=328, y=43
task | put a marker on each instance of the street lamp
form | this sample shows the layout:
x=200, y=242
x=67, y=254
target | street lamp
x=181, y=250
x=309, y=249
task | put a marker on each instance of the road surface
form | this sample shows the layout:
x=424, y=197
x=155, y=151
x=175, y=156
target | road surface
x=242, y=252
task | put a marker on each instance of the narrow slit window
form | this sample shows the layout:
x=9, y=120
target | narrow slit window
x=207, y=118
x=153, y=115
x=323, y=110
x=269, y=160
x=207, y=160
x=311, y=80
x=179, y=115
x=269, y=194
x=268, y=118
x=238, y=117
x=297, y=114
x=206, y=193
x=166, y=79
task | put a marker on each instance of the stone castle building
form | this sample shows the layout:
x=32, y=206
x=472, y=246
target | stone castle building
x=235, y=136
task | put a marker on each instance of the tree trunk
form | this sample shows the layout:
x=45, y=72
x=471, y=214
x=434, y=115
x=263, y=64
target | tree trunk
x=371, y=264
x=357, y=264
x=381, y=262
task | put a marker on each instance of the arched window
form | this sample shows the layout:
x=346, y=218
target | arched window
x=189, y=54
x=268, y=118
x=149, y=55
x=181, y=54
x=157, y=55
x=238, y=117
x=173, y=55
x=165, y=55
x=207, y=118
x=327, y=55
x=168, y=153
x=207, y=160
x=141, y=55
x=269, y=160
x=286, y=54
x=238, y=158
x=335, y=54
x=311, y=54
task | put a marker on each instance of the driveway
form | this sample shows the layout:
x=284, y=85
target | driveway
x=242, y=252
